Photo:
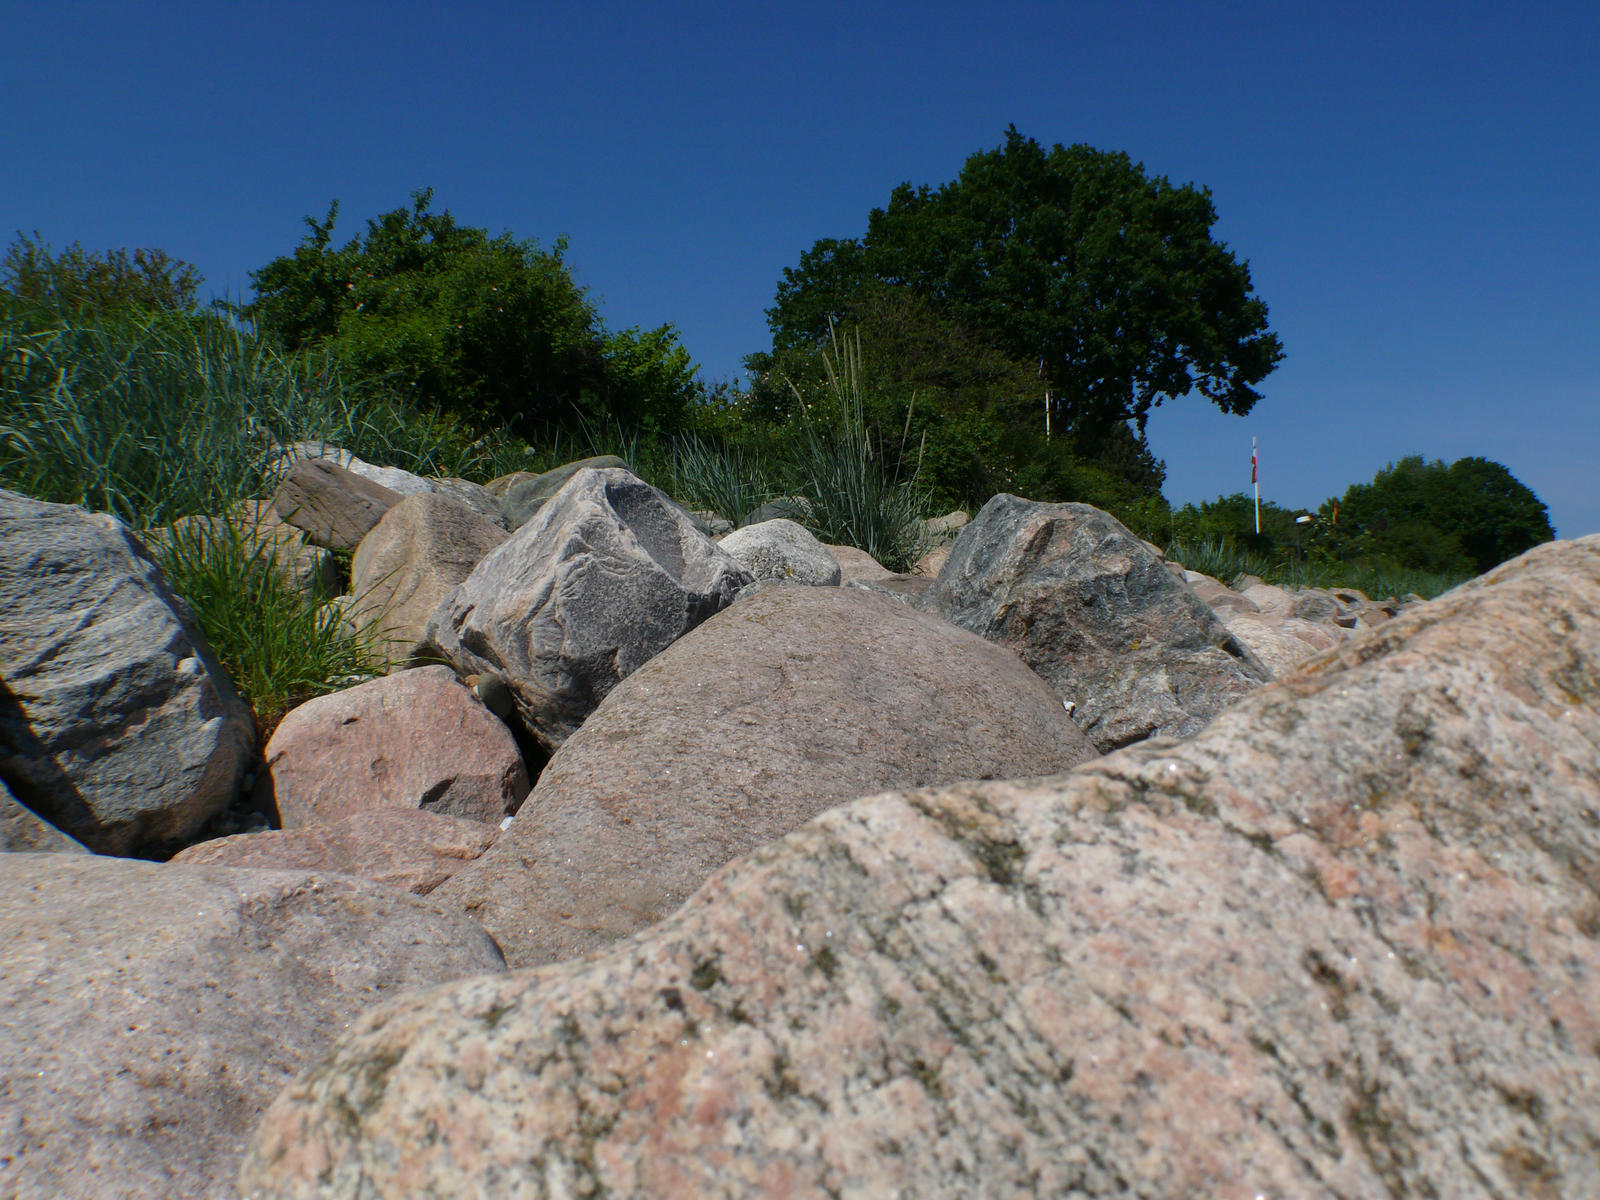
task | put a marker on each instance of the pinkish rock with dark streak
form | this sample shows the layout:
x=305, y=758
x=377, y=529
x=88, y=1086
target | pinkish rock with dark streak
x=404, y=848
x=414, y=739
x=1340, y=943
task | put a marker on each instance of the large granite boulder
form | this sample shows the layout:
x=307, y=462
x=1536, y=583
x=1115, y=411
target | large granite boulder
x=783, y=550
x=406, y=848
x=787, y=703
x=415, y=556
x=117, y=724
x=414, y=739
x=605, y=576
x=1339, y=943
x=1097, y=614
x=148, y=1012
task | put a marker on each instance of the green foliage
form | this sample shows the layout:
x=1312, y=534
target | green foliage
x=977, y=416
x=152, y=416
x=1073, y=259
x=280, y=646
x=493, y=329
x=729, y=480
x=1469, y=516
x=80, y=281
x=855, y=490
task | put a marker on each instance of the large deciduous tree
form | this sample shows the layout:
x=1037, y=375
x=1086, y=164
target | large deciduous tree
x=1073, y=258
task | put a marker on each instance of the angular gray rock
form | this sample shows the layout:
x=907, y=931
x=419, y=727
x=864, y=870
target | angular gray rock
x=785, y=704
x=1089, y=607
x=416, y=555
x=335, y=507
x=406, y=848
x=1340, y=943
x=605, y=576
x=22, y=831
x=527, y=494
x=783, y=550
x=117, y=724
x=149, y=1012
x=414, y=739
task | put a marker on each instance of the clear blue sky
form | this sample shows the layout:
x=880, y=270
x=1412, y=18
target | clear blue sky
x=1415, y=186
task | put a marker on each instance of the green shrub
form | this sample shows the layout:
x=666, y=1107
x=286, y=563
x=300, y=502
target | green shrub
x=837, y=465
x=280, y=646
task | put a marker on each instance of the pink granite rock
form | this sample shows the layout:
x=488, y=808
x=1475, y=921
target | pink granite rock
x=405, y=848
x=414, y=739
x=149, y=1012
x=1340, y=943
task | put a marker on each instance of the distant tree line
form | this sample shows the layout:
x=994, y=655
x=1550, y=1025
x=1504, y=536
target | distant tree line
x=1016, y=326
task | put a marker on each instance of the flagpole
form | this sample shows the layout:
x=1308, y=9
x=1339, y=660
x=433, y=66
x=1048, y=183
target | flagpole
x=1256, y=483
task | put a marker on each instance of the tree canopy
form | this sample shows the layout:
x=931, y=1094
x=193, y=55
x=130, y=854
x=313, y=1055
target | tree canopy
x=1070, y=258
x=79, y=280
x=1472, y=514
x=491, y=327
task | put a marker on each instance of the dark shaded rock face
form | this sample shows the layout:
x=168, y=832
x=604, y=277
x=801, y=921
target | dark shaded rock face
x=605, y=576
x=117, y=724
x=775, y=709
x=1339, y=943
x=1097, y=615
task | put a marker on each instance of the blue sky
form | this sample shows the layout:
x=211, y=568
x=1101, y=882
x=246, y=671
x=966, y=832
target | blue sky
x=1415, y=186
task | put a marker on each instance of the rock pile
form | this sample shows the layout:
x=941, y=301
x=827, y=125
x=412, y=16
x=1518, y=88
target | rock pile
x=1332, y=935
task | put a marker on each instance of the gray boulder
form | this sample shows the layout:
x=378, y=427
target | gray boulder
x=335, y=507
x=414, y=739
x=416, y=555
x=605, y=576
x=526, y=494
x=1340, y=943
x=148, y=1012
x=785, y=704
x=117, y=725
x=784, y=550
x=1091, y=608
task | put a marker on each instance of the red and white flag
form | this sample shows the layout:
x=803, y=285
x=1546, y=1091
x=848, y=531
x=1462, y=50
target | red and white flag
x=1252, y=460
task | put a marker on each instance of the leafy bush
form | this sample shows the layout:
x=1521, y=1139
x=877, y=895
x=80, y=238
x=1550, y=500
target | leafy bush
x=78, y=280
x=1469, y=516
x=490, y=328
